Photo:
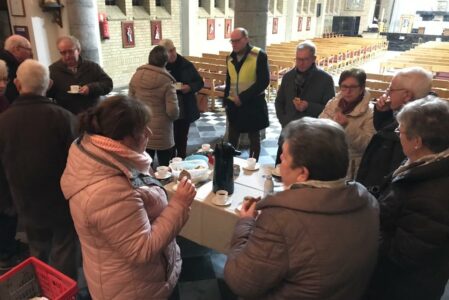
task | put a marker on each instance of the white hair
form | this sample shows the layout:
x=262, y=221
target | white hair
x=15, y=41
x=416, y=80
x=33, y=77
x=307, y=44
x=3, y=69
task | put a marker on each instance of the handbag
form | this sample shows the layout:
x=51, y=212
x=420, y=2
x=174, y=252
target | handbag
x=202, y=102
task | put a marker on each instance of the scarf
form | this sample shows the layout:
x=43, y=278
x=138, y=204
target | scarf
x=347, y=107
x=138, y=161
x=421, y=162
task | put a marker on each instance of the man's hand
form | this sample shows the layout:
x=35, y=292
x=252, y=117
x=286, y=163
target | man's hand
x=84, y=90
x=300, y=105
x=185, y=88
x=237, y=101
x=383, y=103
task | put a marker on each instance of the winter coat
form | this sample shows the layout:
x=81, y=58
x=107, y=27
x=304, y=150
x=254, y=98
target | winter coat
x=126, y=228
x=414, y=221
x=308, y=242
x=318, y=89
x=35, y=137
x=252, y=115
x=359, y=129
x=184, y=71
x=155, y=87
x=383, y=154
x=89, y=73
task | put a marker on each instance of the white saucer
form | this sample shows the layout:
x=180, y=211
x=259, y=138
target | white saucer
x=228, y=202
x=168, y=175
x=275, y=173
x=70, y=92
x=256, y=167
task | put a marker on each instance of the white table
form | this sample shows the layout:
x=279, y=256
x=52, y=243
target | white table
x=211, y=225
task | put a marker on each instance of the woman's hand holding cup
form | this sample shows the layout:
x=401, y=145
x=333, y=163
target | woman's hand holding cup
x=185, y=193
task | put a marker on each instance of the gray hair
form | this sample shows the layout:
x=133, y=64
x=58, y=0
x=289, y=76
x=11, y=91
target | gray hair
x=416, y=80
x=73, y=40
x=308, y=45
x=243, y=31
x=320, y=145
x=33, y=77
x=16, y=41
x=427, y=118
x=158, y=56
x=3, y=69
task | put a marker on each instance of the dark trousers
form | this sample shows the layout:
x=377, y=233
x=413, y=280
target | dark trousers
x=254, y=140
x=8, y=243
x=181, y=132
x=57, y=246
x=163, y=156
x=279, y=153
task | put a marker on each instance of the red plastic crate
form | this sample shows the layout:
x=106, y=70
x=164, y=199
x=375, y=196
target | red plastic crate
x=34, y=278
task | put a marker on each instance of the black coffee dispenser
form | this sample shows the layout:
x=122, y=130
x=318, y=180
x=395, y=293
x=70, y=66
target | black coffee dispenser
x=223, y=168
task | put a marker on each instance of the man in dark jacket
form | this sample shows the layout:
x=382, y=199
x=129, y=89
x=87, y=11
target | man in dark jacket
x=247, y=78
x=34, y=141
x=304, y=90
x=17, y=49
x=72, y=69
x=190, y=82
x=384, y=153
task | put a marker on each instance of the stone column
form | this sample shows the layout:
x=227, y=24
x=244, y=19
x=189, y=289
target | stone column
x=83, y=24
x=290, y=19
x=253, y=15
x=189, y=19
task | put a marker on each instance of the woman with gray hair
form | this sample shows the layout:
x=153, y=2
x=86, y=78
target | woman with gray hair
x=153, y=85
x=414, y=211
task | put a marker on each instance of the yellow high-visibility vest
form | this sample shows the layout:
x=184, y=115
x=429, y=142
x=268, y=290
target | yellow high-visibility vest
x=246, y=77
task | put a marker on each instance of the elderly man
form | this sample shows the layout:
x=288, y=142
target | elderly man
x=304, y=90
x=294, y=248
x=17, y=49
x=247, y=78
x=72, y=69
x=184, y=72
x=384, y=153
x=34, y=141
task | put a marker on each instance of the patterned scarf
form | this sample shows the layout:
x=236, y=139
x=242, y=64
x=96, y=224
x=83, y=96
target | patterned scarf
x=139, y=161
x=347, y=107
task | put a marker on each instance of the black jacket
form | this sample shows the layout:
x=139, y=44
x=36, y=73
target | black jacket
x=184, y=71
x=414, y=222
x=252, y=115
x=383, y=154
x=35, y=137
x=89, y=73
x=11, y=92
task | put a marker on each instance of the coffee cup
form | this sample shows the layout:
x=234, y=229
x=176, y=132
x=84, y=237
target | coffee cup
x=205, y=147
x=178, y=85
x=221, y=197
x=74, y=88
x=162, y=171
x=176, y=159
x=251, y=163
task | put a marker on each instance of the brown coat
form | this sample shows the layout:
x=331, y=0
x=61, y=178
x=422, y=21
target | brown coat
x=307, y=243
x=127, y=232
x=155, y=87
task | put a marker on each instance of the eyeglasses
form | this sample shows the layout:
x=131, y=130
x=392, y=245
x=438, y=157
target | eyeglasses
x=398, y=131
x=69, y=51
x=306, y=59
x=390, y=90
x=349, y=87
x=236, y=40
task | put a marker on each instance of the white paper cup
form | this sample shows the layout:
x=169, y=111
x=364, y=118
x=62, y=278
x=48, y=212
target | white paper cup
x=221, y=197
x=205, y=147
x=251, y=163
x=162, y=171
x=75, y=88
x=178, y=85
x=176, y=159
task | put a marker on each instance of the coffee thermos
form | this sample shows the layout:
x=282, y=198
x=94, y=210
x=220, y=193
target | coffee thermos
x=224, y=167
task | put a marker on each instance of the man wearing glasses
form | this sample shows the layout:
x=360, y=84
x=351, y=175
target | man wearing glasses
x=17, y=49
x=304, y=90
x=247, y=78
x=89, y=79
x=384, y=153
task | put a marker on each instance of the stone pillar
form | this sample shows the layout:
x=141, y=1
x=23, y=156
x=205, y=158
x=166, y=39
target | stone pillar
x=83, y=24
x=291, y=19
x=189, y=19
x=253, y=15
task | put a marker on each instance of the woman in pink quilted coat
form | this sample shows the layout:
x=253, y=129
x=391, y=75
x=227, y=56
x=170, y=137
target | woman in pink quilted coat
x=126, y=226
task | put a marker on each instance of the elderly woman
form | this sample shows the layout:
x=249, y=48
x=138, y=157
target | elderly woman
x=3, y=83
x=414, y=215
x=350, y=108
x=126, y=226
x=153, y=85
x=318, y=238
